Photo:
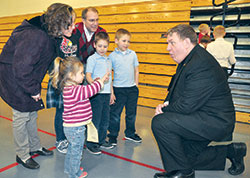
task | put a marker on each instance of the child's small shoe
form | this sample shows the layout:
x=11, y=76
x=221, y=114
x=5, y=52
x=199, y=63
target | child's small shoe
x=84, y=174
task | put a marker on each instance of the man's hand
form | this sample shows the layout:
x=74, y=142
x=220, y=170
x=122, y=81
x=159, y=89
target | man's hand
x=158, y=109
x=37, y=97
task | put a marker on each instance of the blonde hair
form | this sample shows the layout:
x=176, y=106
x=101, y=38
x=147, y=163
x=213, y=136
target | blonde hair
x=203, y=27
x=63, y=71
x=120, y=32
x=219, y=31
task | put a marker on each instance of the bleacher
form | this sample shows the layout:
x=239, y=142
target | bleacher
x=236, y=19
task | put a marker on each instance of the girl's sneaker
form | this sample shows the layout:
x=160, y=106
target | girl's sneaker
x=84, y=174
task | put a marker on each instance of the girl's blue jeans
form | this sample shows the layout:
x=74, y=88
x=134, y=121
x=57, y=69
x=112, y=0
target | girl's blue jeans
x=75, y=137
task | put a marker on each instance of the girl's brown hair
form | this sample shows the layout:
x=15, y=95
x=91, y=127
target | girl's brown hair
x=63, y=71
x=58, y=17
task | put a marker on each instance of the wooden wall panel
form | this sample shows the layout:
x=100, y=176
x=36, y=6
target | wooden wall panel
x=152, y=79
x=146, y=21
x=152, y=6
x=152, y=92
x=141, y=27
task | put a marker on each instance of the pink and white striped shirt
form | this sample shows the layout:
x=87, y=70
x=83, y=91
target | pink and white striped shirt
x=77, y=107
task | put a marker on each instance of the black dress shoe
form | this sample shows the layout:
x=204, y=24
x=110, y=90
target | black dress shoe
x=30, y=163
x=239, y=152
x=182, y=175
x=174, y=174
x=164, y=174
x=44, y=152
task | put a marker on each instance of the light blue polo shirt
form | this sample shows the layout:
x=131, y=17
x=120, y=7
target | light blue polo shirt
x=124, y=64
x=98, y=66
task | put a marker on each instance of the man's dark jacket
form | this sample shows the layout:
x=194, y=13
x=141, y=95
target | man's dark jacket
x=200, y=99
x=23, y=63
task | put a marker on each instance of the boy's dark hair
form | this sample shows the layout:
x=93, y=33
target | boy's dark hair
x=205, y=39
x=58, y=16
x=84, y=12
x=120, y=32
x=101, y=36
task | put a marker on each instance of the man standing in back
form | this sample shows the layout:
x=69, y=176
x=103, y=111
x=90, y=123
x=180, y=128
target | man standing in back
x=88, y=28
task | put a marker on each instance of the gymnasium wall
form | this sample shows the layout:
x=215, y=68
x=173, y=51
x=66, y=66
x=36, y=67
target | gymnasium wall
x=147, y=21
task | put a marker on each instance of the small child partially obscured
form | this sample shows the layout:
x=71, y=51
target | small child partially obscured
x=204, y=31
x=205, y=40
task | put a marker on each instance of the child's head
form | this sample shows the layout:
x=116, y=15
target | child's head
x=204, y=28
x=101, y=43
x=122, y=39
x=68, y=71
x=205, y=40
x=219, y=31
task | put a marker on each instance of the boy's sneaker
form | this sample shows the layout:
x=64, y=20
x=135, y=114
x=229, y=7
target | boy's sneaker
x=94, y=150
x=135, y=138
x=112, y=141
x=84, y=174
x=62, y=146
x=107, y=145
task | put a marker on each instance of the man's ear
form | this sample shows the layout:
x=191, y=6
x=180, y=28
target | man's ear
x=94, y=45
x=187, y=42
x=83, y=20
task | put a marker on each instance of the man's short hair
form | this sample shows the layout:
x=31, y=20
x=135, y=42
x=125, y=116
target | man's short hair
x=184, y=31
x=120, y=32
x=101, y=36
x=84, y=11
x=219, y=30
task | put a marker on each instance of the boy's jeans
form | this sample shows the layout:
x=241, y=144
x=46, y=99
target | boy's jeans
x=75, y=137
x=125, y=96
x=101, y=110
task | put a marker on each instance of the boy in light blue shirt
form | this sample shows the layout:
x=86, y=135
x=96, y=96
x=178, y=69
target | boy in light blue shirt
x=125, y=88
x=97, y=66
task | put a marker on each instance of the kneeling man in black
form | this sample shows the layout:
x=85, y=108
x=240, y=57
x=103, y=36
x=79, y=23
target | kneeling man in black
x=198, y=110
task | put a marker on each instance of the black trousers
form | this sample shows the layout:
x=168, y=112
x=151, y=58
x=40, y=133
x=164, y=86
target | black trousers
x=181, y=149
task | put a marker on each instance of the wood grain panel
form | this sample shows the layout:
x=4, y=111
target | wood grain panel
x=157, y=69
x=149, y=102
x=156, y=58
x=17, y=19
x=147, y=17
x=243, y=117
x=154, y=79
x=9, y=26
x=6, y=32
x=143, y=37
x=144, y=47
x=141, y=27
x=152, y=92
x=154, y=6
x=4, y=39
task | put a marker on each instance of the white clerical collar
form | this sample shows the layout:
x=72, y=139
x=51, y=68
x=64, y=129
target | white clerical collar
x=87, y=33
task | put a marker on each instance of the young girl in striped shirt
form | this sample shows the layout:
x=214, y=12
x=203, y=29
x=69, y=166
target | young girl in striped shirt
x=67, y=76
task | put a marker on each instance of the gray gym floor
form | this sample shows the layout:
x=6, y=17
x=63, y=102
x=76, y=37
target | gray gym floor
x=127, y=160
